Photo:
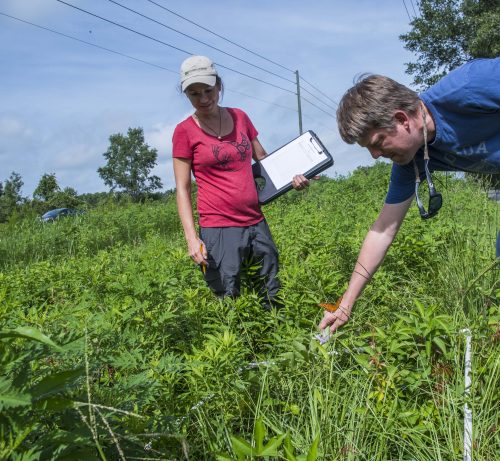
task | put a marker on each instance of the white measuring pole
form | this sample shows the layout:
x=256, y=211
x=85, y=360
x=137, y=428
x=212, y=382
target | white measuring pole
x=467, y=410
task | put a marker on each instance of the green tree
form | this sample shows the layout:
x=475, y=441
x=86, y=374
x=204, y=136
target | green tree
x=129, y=162
x=11, y=199
x=447, y=33
x=46, y=188
x=66, y=198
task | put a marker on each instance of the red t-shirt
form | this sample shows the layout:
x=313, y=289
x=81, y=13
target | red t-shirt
x=227, y=195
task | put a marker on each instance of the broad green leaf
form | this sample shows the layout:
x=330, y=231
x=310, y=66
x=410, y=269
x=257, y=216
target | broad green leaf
x=54, y=404
x=420, y=308
x=440, y=343
x=55, y=383
x=444, y=323
x=318, y=397
x=30, y=333
x=428, y=346
x=299, y=346
x=259, y=434
x=78, y=452
x=14, y=399
x=224, y=457
x=289, y=455
x=313, y=451
x=287, y=445
x=241, y=447
x=271, y=448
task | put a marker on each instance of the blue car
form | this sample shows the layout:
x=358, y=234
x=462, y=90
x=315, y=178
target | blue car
x=57, y=213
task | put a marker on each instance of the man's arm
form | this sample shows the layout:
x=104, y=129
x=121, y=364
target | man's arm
x=373, y=251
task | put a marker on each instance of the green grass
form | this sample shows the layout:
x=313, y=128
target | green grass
x=141, y=334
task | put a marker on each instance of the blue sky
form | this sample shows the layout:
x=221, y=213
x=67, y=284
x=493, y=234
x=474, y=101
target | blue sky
x=60, y=99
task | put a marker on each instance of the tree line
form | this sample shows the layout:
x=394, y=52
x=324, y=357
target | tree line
x=127, y=173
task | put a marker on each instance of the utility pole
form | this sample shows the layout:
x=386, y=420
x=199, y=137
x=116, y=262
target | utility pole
x=298, y=101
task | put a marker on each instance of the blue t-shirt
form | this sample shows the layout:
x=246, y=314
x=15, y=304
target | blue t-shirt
x=465, y=106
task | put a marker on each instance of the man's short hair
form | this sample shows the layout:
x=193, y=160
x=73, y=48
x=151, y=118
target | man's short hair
x=370, y=104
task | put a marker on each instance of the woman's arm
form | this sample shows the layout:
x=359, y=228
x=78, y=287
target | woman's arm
x=182, y=172
x=258, y=152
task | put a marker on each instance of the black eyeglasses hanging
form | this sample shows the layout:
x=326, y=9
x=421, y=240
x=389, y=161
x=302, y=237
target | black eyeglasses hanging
x=435, y=198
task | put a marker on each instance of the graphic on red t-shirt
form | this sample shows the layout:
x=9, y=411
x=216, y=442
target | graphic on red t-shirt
x=232, y=161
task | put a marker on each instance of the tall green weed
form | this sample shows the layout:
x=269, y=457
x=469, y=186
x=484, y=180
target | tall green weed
x=139, y=360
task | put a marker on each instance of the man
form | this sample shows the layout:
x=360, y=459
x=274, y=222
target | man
x=453, y=126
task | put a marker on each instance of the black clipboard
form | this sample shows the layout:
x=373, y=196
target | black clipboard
x=305, y=155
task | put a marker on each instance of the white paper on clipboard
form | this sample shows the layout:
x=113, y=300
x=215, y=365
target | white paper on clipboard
x=297, y=157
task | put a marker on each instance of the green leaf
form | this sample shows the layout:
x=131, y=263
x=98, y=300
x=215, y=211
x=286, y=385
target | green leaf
x=289, y=455
x=428, y=345
x=241, y=447
x=420, y=308
x=271, y=449
x=55, y=383
x=258, y=435
x=54, y=404
x=30, y=333
x=287, y=445
x=225, y=457
x=313, y=451
x=440, y=343
x=14, y=399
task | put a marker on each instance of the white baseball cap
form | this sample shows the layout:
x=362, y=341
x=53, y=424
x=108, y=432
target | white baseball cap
x=198, y=69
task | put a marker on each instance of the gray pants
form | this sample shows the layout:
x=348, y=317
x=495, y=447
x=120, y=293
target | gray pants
x=227, y=247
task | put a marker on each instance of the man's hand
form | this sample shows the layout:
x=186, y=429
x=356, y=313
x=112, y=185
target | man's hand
x=335, y=319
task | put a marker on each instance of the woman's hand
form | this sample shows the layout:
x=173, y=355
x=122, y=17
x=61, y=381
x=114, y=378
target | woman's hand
x=300, y=182
x=197, y=251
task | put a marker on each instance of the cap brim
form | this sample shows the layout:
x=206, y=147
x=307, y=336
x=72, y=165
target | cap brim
x=209, y=80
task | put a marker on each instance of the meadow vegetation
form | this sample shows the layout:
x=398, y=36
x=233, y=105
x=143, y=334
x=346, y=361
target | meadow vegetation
x=111, y=346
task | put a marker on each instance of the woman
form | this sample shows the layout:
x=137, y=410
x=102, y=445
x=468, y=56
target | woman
x=217, y=145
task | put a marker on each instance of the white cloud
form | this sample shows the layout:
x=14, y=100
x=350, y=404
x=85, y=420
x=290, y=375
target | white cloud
x=77, y=156
x=13, y=127
x=159, y=136
x=30, y=9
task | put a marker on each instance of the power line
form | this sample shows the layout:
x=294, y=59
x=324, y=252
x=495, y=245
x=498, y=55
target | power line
x=210, y=31
x=47, y=29
x=320, y=123
x=157, y=65
x=220, y=36
x=414, y=11
x=317, y=107
x=124, y=27
x=319, y=91
x=407, y=12
x=262, y=100
x=132, y=57
x=230, y=41
x=199, y=41
x=317, y=98
x=88, y=43
x=169, y=45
